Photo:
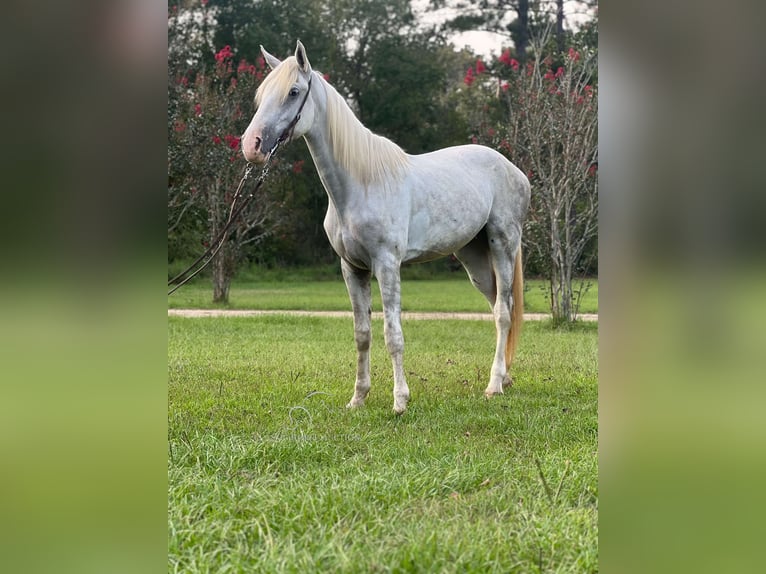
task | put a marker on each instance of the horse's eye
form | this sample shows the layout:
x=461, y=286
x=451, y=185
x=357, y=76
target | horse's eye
x=294, y=92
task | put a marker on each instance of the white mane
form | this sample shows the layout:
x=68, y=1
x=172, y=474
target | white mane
x=280, y=80
x=366, y=156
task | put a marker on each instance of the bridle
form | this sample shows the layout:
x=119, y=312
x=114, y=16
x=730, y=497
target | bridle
x=235, y=210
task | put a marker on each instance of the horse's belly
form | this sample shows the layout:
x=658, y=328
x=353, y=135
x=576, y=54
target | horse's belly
x=439, y=229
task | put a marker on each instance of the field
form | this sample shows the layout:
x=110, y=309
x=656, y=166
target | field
x=268, y=472
x=452, y=293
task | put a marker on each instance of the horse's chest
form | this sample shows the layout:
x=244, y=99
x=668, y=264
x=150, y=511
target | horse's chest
x=354, y=242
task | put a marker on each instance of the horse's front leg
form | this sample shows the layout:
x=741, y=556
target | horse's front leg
x=358, y=285
x=390, y=292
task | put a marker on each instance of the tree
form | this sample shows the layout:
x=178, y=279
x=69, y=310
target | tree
x=207, y=108
x=517, y=20
x=557, y=135
x=544, y=117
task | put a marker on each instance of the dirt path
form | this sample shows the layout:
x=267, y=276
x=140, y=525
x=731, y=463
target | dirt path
x=347, y=314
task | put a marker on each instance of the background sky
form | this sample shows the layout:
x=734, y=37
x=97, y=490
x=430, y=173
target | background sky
x=488, y=43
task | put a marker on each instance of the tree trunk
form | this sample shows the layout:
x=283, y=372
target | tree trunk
x=562, y=309
x=221, y=277
x=221, y=282
x=523, y=39
x=560, y=25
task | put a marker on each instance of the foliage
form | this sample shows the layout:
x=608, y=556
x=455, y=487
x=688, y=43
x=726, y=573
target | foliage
x=269, y=472
x=209, y=104
x=517, y=20
x=403, y=81
x=543, y=116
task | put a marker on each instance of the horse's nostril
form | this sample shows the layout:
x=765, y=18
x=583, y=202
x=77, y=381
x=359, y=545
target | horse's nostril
x=257, y=143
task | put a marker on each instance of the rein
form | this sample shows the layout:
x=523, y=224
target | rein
x=234, y=211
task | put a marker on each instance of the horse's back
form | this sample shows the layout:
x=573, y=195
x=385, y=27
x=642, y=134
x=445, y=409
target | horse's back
x=479, y=174
x=454, y=192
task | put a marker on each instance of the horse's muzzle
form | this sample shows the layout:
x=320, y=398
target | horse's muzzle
x=253, y=148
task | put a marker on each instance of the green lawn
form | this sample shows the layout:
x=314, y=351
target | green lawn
x=438, y=294
x=268, y=472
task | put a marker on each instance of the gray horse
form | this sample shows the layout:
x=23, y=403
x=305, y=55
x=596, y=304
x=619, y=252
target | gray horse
x=388, y=207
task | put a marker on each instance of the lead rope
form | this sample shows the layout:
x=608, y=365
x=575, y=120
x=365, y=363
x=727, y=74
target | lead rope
x=215, y=246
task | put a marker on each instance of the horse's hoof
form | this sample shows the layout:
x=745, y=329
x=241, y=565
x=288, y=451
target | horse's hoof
x=400, y=404
x=355, y=403
x=488, y=394
x=507, y=382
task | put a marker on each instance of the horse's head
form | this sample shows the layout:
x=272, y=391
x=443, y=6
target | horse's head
x=279, y=100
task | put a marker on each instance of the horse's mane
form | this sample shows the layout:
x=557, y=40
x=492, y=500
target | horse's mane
x=368, y=157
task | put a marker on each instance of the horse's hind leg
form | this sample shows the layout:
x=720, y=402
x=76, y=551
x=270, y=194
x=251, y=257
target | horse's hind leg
x=504, y=244
x=358, y=285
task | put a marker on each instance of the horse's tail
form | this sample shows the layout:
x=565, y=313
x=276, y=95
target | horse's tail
x=517, y=313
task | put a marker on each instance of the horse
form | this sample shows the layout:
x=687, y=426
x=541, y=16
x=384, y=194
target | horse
x=387, y=207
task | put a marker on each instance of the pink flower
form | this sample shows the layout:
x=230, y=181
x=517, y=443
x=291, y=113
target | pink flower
x=298, y=166
x=232, y=141
x=204, y=2
x=217, y=140
x=197, y=110
x=468, y=80
x=245, y=68
x=326, y=77
x=559, y=72
x=480, y=67
x=506, y=59
x=179, y=126
x=223, y=54
x=574, y=55
x=474, y=140
x=592, y=169
x=549, y=75
x=504, y=86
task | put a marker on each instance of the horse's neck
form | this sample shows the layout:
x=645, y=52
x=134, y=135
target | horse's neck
x=337, y=181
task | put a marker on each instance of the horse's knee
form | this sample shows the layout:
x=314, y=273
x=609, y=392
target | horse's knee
x=502, y=311
x=363, y=338
x=394, y=341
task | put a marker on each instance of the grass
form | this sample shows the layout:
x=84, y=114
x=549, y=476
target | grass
x=448, y=293
x=268, y=472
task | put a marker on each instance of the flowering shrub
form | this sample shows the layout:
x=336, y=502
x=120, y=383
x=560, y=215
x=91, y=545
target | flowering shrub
x=205, y=164
x=544, y=118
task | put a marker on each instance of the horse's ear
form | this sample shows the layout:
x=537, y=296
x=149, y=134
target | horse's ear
x=270, y=60
x=300, y=56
